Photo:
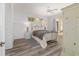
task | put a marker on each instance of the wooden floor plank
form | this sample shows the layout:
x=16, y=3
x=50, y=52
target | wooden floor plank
x=22, y=48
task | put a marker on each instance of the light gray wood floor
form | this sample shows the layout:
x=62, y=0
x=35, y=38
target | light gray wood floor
x=22, y=48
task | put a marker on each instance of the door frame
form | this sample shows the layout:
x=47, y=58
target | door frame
x=2, y=29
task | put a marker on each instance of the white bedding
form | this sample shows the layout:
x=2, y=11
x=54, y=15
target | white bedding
x=46, y=37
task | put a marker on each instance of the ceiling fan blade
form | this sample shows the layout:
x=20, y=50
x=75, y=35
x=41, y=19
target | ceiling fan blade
x=48, y=10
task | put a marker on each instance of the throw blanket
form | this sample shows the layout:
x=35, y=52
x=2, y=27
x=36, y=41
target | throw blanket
x=43, y=36
x=40, y=33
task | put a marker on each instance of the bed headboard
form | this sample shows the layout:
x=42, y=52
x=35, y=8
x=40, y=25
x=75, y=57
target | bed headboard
x=38, y=26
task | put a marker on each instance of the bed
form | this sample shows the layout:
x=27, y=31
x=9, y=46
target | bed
x=43, y=36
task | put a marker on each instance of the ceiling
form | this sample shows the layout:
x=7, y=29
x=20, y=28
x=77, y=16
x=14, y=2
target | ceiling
x=39, y=8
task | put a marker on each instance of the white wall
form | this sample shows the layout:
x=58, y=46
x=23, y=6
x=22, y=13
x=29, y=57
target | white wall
x=51, y=23
x=19, y=26
x=21, y=16
x=8, y=26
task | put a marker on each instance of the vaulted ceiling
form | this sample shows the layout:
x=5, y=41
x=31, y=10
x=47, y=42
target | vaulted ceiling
x=39, y=8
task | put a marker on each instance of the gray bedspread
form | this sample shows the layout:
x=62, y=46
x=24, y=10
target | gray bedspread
x=40, y=33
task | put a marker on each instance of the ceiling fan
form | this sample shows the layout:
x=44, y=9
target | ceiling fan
x=51, y=10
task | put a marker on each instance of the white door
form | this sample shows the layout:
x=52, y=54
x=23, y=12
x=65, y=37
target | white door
x=69, y=37
x=2, y=31
x=77, y=31
x=77, y=36
x=69, y=33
